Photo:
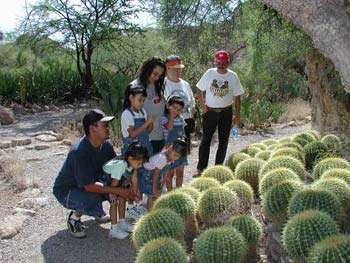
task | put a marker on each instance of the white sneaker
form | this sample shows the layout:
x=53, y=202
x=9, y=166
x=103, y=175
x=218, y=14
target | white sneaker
x=117, y=232
x=125, y=226
x=142, y=209
x=133, y=213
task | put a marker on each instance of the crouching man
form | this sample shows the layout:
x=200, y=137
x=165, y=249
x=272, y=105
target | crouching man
x=81, y=185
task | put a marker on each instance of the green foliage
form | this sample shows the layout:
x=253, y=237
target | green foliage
x=218, y=172
x=327, y=164
x=314, y=151
x=243, y=190
x=284, y=161
x=191, y=191
x=217, y=204
x=248, y=171
x=203, y=183
x=316, y=199
x=165, y=250
x=332, y=142
x=248, y=226
x=221, y=245
x=274, y=177
x=304, y=230
x=287, y=151
x=156, y=224
x=180, y=203
x=332, y=249
x=234, y=159
x=276, y=200
x=263, y=155
x=342, y=174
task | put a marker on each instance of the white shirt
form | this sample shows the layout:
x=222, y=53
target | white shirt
x=220, y=89
x=183, y=90
x=127, y=120
x=156, y=161
x=154, y=106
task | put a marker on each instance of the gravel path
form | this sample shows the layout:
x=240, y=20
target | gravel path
x=44, y=237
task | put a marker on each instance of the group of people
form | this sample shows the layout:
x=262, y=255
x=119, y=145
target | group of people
x=156, y=124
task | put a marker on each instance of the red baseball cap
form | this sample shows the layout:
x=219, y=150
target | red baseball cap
x=222, y=56
x=174, y=61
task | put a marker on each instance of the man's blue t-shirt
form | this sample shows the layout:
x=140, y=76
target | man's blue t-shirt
x=83, y=165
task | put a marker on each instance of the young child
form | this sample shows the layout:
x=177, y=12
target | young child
x=152, y=172
x=134, y=121
x=124, y=173
x=173, y=124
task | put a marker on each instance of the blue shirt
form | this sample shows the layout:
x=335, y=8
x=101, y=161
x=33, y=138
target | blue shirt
x=83, y=165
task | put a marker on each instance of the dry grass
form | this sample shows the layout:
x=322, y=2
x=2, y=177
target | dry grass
x=12, y=171
x=297, y=109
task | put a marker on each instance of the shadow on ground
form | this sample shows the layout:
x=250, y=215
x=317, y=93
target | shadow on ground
x=96, y=247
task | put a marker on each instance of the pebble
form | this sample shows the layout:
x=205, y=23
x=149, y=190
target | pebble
x=33, y=203
x=11, y=225
x=23, y=211
x=41, y=147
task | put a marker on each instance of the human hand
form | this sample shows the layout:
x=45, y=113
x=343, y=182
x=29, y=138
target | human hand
x=112, y=198
x=204, y=109
x=150, y=119
x=237, y=121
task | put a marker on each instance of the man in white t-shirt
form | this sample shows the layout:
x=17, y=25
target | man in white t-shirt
x=218, y=89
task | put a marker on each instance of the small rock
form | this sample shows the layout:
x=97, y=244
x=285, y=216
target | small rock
x=83, y=105
x=34, y=159
x=31, y=192
x=29, y=147
x=46, y=138
x=6, y=116
x=55, y=108
x=23, y=211
x=308, y=118
x=21, y=141
x=41, y=147
x=66, y=142
x=291, y=123
x=60, y=153
x=11, y=225
x=17, y=108
x=5, y=144
x=36, y=107
x=59, y=137
x=33, y=203
x=46, y=108
x=70, y=106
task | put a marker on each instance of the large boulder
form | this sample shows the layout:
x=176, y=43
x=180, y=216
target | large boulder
x=6, y=116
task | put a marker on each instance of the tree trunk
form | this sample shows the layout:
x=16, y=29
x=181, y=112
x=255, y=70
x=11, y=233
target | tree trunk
x=330, y=103
x=327, y=23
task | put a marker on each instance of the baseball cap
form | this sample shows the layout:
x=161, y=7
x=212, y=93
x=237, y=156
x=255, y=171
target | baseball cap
x=174, y=61
x=94, y=116
x=222, y=56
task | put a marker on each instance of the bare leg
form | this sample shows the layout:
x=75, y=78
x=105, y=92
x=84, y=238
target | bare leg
x=113, y=212
x=169, y=179
x=121, y=207
x=179, y=176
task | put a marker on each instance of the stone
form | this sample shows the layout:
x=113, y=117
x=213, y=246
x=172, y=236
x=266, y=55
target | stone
x=23, y=211
x=55, y=108
x=31, y=192
x=308, y=118
x=291, y=123
x=29, y=147
x=60, y=153
x=21, y=142
x=6, y=116
x=11, y=225
x=33, y=203
x=40, y=147
x=5, y=144
x=18, y=108
x=46, y=138
x=34, y=159
x=36, y=108
x=69, y=142
x=46, y=108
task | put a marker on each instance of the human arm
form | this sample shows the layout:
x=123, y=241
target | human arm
x=147, y=125
x=155, y=179
x=99, y=188
x=201, y=100
x=135, y=183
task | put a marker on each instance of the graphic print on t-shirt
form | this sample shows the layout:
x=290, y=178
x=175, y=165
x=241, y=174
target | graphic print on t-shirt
x=219, y=89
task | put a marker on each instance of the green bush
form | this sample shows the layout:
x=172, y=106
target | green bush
x=235, y=158
x=165, y=250
x=327, y=164
x=202, y=183
x=284, y=161
x=304, y=230
x=220, y=245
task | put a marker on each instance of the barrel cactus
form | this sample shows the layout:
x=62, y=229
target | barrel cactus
x=274, y=177
x=284, y=161
x=293, y=145
x=332, y=142
x=317, y=199
x=342, y=174
x=218, y=172
x=327, y=164
x=288, y=151
x=165, y=250
x=276, y=200
x=284, y=140
x=202, y=184
x=304, y=230
x=217, y=204
x=243, y=190
x=263, y=155
x=303, y=138
x=269, y=142
x=156, y=224
x=331, y=249
x=221, y=245
x=235, y=158
x=191, y=191
x=315, y=133
x=248, y=171
x=272, y=147
x=314, y=151
x=253, y=150
x=261, y=146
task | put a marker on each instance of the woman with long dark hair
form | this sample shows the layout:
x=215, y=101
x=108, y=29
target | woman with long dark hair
x=151, y=76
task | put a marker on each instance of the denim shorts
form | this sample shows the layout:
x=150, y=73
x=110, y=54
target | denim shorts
x=178, y=163
x=79, y=200
x=146, y=180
